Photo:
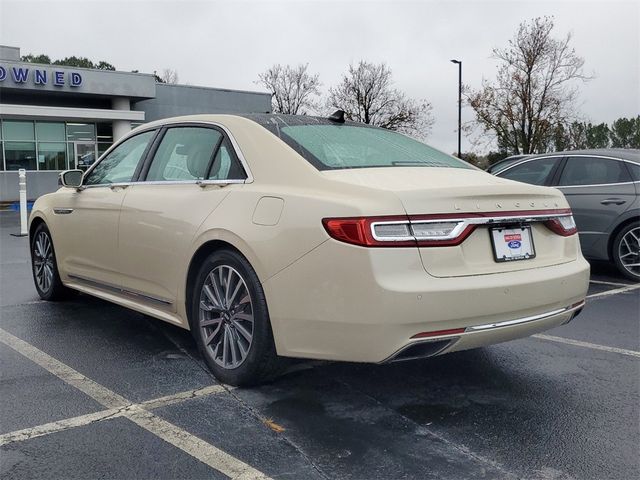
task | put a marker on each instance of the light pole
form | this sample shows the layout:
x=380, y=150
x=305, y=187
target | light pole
x=459, y=62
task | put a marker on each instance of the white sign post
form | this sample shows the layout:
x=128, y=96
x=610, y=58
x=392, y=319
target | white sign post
x=22, y=187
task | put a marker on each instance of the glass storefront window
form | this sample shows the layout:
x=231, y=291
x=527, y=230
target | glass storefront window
x=81, y=132
x=20, y=155
x=103, y=147
x=104, y=132
x=17, y=130
x=85, y=154
x=51, y=156
x=50, y=131
x=36, y=145
x=71, y=156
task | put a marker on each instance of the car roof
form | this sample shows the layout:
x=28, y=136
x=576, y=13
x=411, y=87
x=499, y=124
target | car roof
x=267, y=120
x=630, y=154
x=281, y=119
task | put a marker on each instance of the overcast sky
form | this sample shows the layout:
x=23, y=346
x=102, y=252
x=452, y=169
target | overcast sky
x=227, y=43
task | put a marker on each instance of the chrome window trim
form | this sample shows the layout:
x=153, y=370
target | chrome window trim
x=232, y=139
x=606, y=157
x=596, y=184
x=463, y=223
x=527, y=160
x=201, y=183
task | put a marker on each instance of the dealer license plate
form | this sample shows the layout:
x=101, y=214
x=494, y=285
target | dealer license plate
x=511, y=244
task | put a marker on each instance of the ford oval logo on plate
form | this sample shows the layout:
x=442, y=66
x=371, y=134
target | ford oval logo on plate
x=514, y=244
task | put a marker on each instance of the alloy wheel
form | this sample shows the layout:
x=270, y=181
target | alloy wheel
x=43, y=261
x=226, y=316
x=629, y=251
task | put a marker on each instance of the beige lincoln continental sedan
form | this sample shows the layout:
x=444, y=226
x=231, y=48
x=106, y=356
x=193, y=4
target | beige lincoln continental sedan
x=274, y=236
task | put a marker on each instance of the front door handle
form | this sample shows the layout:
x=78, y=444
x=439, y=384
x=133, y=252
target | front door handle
x=113, y=186
x=613, y=201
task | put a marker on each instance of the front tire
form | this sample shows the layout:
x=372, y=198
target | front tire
x=44, y=266
x=230, y=321
x=626, y=251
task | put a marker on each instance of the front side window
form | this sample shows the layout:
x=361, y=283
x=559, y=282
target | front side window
x=194, y=153
x=121, y=163
x=332, y=147
x=593, y=171
x=534, y=172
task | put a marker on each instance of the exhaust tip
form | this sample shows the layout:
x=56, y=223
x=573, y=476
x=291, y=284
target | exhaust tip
x=574, y=315
x=421, y=350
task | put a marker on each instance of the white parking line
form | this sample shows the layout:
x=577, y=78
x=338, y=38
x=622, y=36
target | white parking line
x=615, y=284
x=614, y=291
x=196, y=447
x=594, y=346
x=120, y=406
x=82, y=420
x=100, y=394
x=182, y=396
x=58, y=426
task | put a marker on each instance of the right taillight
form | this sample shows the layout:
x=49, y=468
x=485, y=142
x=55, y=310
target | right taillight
x=564, y=225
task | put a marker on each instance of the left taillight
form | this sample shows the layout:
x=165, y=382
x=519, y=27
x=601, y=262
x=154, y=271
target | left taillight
x=387, y=231
x=564, y=225
x=400, y=231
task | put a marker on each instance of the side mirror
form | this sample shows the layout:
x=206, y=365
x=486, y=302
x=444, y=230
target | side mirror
x=71, y=178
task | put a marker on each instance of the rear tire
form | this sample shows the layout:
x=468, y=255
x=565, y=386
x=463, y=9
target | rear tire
x=626, y=251
x=44, y=266
x=230, y=321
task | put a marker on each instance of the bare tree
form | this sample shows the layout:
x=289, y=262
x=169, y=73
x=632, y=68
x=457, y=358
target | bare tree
x=366, y=94
x=293, y=89
x=168, y=75
x=535, y=89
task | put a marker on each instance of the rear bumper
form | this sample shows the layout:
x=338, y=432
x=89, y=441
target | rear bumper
x=479, y=335
x=342, y=302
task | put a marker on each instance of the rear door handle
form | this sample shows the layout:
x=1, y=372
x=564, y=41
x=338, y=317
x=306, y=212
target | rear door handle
x=613, y=201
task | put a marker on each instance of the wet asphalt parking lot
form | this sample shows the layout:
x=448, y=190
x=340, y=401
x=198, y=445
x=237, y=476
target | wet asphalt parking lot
x=92, y=390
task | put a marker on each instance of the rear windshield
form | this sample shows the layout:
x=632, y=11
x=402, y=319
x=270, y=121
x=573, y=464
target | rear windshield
x=333, y=147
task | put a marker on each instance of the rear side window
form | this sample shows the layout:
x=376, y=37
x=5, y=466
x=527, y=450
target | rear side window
x=184, y=154
x=332, y=147
x=121, y=163
x=634, y=168
x=593, y=171
x=535, y=172
x=225, y=165
x=194, y=153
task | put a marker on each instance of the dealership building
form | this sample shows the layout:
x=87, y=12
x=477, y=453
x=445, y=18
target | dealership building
x=54, y=118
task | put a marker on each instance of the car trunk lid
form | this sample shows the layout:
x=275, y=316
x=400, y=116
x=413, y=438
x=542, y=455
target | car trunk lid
x=458, y=192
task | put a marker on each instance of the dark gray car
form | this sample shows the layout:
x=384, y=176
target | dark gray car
x=603, y=189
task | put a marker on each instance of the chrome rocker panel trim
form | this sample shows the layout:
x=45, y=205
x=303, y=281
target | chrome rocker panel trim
x=120, y=290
